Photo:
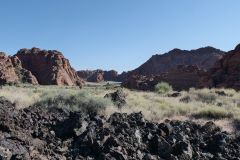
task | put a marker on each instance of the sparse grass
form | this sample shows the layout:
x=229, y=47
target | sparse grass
x=213, y=113
x=202, y=103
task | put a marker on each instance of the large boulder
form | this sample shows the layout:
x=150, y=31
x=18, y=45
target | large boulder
x=118, y=98
x=48, y=66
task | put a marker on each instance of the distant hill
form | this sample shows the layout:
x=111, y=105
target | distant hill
x=203, y=58
x=101, y=75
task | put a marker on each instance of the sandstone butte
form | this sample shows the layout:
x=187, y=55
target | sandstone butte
x=36, y=66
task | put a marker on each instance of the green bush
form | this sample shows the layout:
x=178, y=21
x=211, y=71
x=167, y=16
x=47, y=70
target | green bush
x=76, y=102
x=162, y=88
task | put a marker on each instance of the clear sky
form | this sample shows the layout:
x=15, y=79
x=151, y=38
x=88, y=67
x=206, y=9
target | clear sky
x=117, y=34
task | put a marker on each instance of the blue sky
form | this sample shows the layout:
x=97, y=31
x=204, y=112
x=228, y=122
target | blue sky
x=117, y=34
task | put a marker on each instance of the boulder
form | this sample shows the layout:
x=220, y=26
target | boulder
x=118, y=98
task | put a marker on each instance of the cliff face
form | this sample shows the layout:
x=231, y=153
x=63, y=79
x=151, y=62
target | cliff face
x=7, y=70
x=226, y=72
x=203, y=58
x=49, y=67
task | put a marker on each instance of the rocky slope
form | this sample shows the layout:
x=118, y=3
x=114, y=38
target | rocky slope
x=226, y=72
x=51, y=133
x=49, y=67
x=203, y=58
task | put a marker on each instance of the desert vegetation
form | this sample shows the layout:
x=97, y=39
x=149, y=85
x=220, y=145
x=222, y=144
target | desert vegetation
x=214, y=104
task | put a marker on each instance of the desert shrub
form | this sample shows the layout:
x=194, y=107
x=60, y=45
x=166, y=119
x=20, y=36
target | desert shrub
x=162, y=88
x=209, y=98
x=82, y=102
x=213, y=113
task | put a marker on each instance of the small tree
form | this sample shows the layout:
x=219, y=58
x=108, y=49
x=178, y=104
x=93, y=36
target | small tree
x=163, y=88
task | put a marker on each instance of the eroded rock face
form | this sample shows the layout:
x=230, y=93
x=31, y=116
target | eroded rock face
x=49, y=67
x=226, y=71
x=24, y=75
x=51, y=133
x=7, y=70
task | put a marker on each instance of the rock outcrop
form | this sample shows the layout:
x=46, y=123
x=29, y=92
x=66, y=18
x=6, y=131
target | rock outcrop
x=97, y=76
x=54, y=133
x=180, y=68
x=24, y=75
x=180, y=78
x=111, y=75
x=226, y=72
x=7, y=70
x=203, y=58
x=49, y=67
x=118, y=98
x=12, y=72
x=101, y=75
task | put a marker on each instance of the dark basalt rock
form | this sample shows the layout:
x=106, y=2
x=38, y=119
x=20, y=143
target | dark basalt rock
x=52, y=133
x=118, y=98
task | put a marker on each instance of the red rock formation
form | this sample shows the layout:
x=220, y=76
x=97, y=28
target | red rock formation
x=100, y=75
x=96, y=77
x=7, y=70
x=24, y=75
x=110, y=75
x=49, y=67
x=204, y=58
x=85, y=74
x=226, y=72
x=182, y=77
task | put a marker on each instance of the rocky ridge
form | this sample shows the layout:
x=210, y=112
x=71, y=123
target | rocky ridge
x=203, y=58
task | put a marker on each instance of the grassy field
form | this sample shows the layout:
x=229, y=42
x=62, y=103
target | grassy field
x=221, y=105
